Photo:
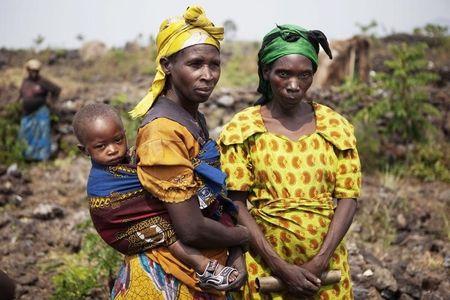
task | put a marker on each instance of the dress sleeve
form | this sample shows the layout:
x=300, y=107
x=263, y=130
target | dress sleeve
x=348, y=175
x=164, y=150
x=235, y=162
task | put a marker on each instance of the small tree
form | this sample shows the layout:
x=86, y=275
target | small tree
x=436, y=30
x=38, y=41
x=230, y=29
x=80, y=37
x=367, y=29
x=404, y=106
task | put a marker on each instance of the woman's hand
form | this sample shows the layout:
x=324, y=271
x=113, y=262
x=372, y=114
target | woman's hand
x=299, y=281
x=236, y=260
x=316, y=266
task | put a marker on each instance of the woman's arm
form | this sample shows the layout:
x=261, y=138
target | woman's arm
x=299, y=281
x=342, y=219
x=193, y=229
x=236, y=259
x=52, y=88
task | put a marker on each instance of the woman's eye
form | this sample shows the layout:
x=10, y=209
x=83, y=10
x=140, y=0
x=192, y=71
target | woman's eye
x=214, y=67
x=195, y=64
x=305, y=75
x=284, y=74
x=216, y=64
x=119, y=140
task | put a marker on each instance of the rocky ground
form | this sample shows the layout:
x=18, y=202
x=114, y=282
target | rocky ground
x=398, y=243
x=42, y=206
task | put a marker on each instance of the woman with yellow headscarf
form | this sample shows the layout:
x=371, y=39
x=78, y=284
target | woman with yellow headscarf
x=179, y=165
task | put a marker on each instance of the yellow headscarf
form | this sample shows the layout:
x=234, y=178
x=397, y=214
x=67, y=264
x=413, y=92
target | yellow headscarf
x=174, y=35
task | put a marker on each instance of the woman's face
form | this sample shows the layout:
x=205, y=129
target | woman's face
x=33, y=74
x=194, y=72
x=290, y=77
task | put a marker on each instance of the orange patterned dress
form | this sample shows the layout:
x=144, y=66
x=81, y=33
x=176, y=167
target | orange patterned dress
x=291, y=187
x=165, y=150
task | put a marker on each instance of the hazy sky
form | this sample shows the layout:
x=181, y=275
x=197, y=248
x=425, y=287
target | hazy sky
x=118, y=21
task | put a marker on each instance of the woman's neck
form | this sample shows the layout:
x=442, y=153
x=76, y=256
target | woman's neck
x=278, y=111
x=189, y=106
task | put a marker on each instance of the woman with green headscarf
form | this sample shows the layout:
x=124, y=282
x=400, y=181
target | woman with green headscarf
x=289, y=158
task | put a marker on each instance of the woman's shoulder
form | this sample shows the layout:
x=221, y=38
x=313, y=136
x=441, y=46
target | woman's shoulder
x=328, y=113
x=334, y=127
x=243, y=125
x=163, y=129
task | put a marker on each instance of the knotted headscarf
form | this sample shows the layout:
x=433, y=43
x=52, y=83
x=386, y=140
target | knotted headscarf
x=284, y=40
x=174, y=35
x=33, y=64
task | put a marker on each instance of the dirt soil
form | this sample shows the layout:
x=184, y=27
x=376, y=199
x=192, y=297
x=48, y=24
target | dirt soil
x=46, y=202
x=398, y=243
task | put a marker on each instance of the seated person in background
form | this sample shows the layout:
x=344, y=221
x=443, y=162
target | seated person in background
x=127, y=217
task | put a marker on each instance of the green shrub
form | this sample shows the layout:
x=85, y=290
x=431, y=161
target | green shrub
x=90, y=269
x=75, y=282
x=11, y=149
x=430, y=161
x=403, y=109
x=392, y=113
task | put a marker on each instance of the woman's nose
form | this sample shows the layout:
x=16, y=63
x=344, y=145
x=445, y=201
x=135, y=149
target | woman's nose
x=207, y=73
x=293, y=85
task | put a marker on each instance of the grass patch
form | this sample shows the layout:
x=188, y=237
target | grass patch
x=88, y=271
x=11, y=148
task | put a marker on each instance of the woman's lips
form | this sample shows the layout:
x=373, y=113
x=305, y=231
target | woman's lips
x=204, y=91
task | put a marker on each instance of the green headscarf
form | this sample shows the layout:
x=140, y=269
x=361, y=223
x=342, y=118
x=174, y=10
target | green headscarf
x=284, y=40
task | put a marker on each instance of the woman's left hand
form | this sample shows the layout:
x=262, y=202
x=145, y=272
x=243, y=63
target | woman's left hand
x=316, y=266
x=236, y=260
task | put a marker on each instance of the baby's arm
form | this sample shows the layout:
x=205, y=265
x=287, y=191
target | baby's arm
x=189, y=256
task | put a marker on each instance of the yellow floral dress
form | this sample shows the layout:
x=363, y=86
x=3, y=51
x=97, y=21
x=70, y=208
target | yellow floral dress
x=291, y=187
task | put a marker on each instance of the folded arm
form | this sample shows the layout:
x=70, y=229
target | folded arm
x=299, y=281
x=193, y=229
x=342, y=219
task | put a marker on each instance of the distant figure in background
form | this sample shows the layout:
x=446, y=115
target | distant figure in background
x=35, y=124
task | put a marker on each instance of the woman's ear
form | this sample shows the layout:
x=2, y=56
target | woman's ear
x=166, y=65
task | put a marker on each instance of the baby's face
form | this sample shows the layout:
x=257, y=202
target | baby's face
x=106, y=142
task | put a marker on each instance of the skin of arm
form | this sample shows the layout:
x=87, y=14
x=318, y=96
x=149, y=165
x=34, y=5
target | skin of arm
x=236, y=260
x=200, y=232
x=342, y=219
x=299, y=281
x=53, y=89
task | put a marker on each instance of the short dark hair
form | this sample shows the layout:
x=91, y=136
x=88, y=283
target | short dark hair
x=88, y=114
